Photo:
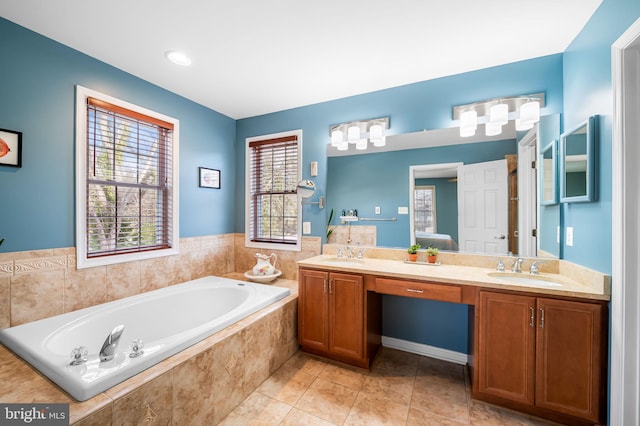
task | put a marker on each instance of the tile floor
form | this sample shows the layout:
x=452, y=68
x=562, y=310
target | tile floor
x=401, y=389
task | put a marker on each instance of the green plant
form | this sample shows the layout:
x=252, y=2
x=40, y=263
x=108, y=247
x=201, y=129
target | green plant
x=413, y=249
x=329, y=227
x=432, y=251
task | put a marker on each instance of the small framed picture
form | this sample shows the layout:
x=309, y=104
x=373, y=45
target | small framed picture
x=209, y=178
x=10, y=148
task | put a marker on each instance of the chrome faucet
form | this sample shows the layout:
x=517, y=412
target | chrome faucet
x=516, y=265
x=108, y=351
x=349, y=252
x=535, y=267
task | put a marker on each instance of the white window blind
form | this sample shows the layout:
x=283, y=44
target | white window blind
x=128, y=181
x=273, y=202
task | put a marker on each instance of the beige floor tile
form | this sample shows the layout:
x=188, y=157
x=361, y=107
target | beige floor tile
x=482, y=414
x=441, y=396
x=287, y=384
x=403, y=363
x=426, y=418
x=368, y=411
x=327, y=400
x=300, y=418
x=257, y=410
x=383, y=385
x=307, y=363
x=350, y=377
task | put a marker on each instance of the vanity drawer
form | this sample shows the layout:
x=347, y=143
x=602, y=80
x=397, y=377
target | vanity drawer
x=421, y=290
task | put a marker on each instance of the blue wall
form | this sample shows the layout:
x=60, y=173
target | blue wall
x=37, y=87
x=549, y=219
x=587, y=91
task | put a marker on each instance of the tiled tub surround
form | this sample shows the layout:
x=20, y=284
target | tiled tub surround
x=43, y=283
x=199, y=385
x=167, y=320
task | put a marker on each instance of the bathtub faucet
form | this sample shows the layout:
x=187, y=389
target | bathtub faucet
x=108, y=351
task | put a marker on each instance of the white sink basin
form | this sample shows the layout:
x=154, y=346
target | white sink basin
x=525, y=278
x=344, y=260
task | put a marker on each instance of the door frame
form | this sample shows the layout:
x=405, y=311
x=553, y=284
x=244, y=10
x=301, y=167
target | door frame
x=528, y=208
x=625, y=292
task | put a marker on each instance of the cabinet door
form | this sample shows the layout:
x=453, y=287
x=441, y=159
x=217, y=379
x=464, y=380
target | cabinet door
x=506, y=346
x=313, y=310
x=346, y=318
x=569, y=359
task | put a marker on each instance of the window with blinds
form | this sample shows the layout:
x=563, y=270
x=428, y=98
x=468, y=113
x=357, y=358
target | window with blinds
x=273, y=172
x=127, y=168
x=425, y=209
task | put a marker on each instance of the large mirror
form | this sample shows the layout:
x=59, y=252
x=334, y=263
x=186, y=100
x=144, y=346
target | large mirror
x=577, y=158
x=378, y=183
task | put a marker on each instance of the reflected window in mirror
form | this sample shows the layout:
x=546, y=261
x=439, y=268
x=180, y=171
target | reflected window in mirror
x=577, y=160
x=425, y=209
x=548, y=174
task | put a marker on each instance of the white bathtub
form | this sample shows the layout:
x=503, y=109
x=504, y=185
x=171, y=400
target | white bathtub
x=167, y=320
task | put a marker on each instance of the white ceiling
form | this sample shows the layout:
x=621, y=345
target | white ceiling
x=252, y=57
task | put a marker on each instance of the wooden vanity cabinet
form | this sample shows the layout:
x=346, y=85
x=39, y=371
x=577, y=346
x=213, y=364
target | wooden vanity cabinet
x=543, y=353
x=331, y=320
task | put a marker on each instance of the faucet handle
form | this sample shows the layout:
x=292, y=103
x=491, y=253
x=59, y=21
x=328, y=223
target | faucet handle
x=534, y=269
x=339, y=254
x=500, y=265
x=79, y=355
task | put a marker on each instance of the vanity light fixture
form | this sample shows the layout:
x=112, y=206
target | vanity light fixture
x=359, y=133
x=495, y=113
x=178, y=58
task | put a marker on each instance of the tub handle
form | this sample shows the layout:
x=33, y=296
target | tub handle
x=79, y=355
x=136, y=348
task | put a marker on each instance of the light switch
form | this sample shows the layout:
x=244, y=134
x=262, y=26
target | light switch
x=570, y=236
x=314, y=168
x=306, y=227
x=403, y=210
x=377, y=209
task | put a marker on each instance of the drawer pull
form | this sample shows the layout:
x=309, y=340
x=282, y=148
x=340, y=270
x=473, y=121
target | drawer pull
x=410, y=290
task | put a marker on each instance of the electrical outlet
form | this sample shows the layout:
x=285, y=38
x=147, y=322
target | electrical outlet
x=377, y=209
x=306, y=228
x=569, y=236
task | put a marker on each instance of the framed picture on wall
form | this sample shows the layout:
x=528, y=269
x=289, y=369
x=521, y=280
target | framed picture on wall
x=10, y=148
x=209, y=178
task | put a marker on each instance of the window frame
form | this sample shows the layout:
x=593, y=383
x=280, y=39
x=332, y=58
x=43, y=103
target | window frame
x=248, y=202
x=82, y=259
x=434, y=216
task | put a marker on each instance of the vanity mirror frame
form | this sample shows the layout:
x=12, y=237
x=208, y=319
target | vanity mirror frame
x=546, y=170
x=589, y=127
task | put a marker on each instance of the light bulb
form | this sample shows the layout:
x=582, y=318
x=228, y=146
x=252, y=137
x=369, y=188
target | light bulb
x=499, y=114
x=353, y=134
x=521, y=126
x=465, y=132
x=530, y=112
x=343, y=146
x=361, y=144
x=337, y=137
x=469, y=120
x=491, y=129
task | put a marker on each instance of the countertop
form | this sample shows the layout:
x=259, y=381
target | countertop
x=587, y=285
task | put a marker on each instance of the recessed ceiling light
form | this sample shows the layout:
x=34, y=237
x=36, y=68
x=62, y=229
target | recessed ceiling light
x=178, y=58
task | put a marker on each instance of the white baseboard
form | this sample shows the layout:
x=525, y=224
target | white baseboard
x=426, y=350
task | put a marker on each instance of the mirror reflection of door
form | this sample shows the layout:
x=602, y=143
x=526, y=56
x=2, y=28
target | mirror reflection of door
x=483, y=198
